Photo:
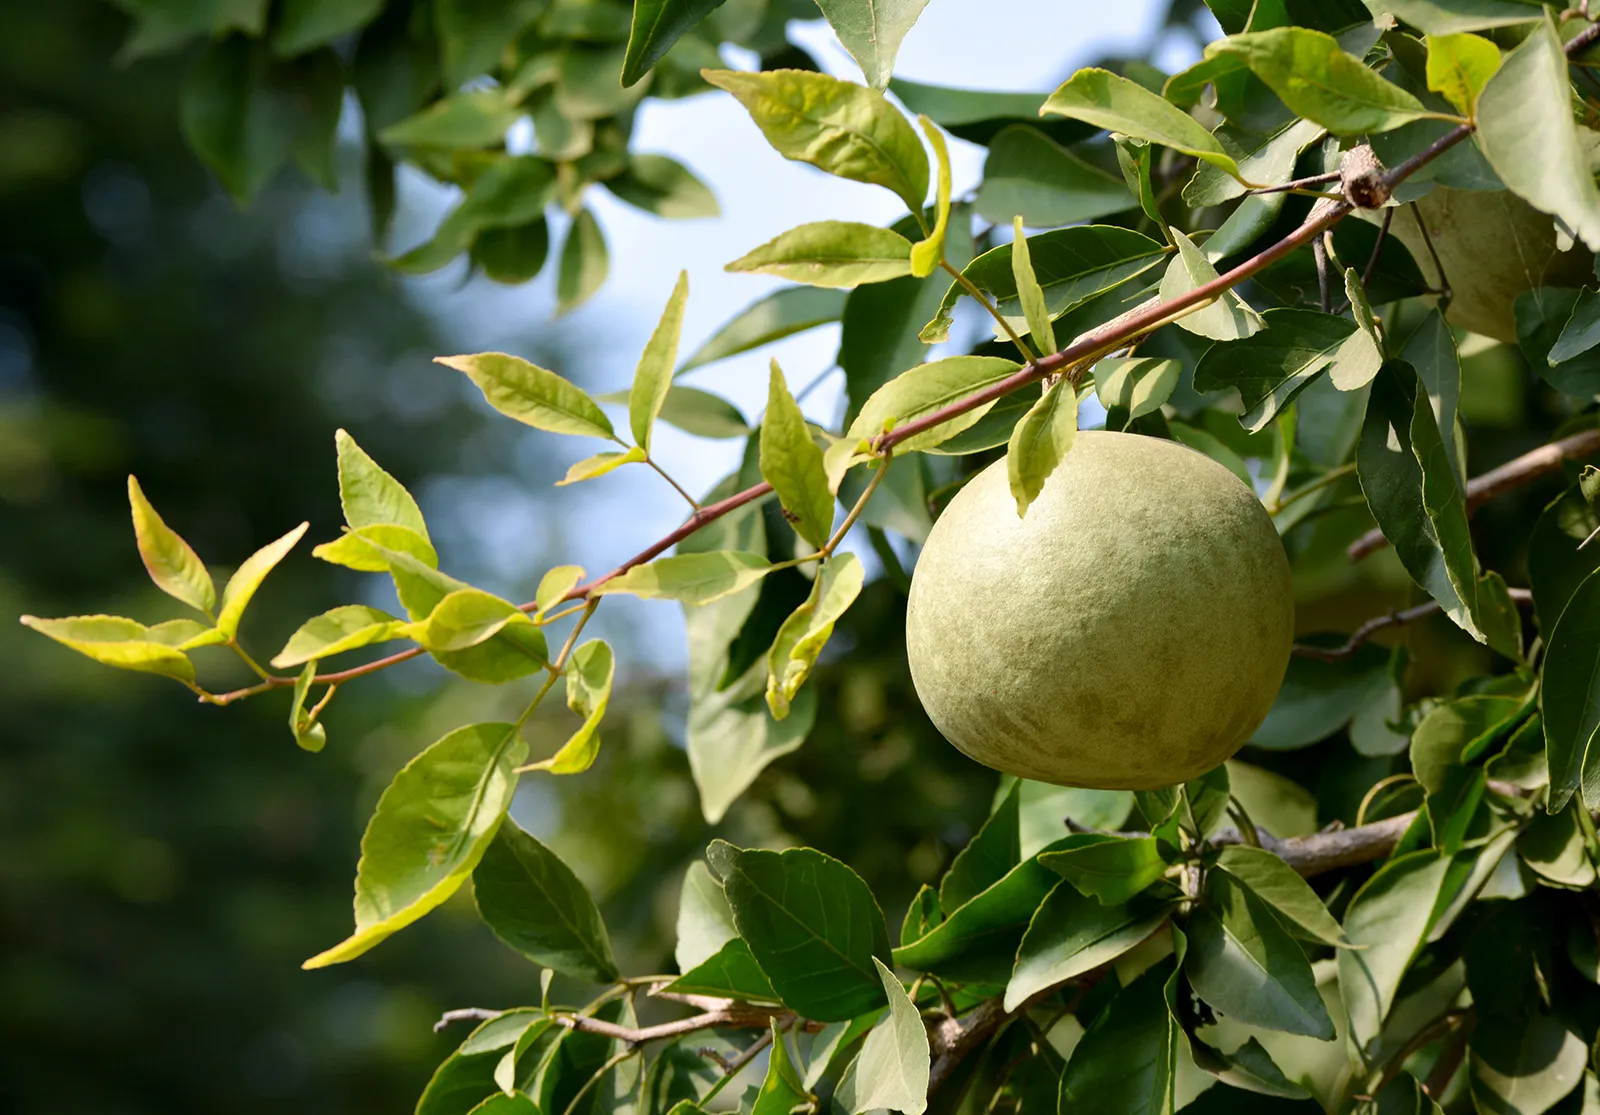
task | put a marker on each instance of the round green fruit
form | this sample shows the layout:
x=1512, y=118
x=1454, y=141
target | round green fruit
x=1130, y=632
x=1493, y=246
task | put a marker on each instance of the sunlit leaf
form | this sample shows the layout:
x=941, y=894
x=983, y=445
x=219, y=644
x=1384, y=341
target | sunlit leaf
x=241, y=587
x=927, y=254
x=792, y=463
x=531, y=394
x=1117, y=104
x=924, y=390
x=348, y=627
x=653, y=376
x=871, y=30
x=171, y=562
x=780, y=314
x=1040, y=441
x=690, y=578
x=1459, y=66
x=893, y=1067
x=601, y=463
x=589, y=675
x=369, y=495
x=803, y=635
x=115, y=641
x=831, y=254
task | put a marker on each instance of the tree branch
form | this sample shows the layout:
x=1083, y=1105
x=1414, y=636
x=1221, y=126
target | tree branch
x=1394, y=619
x=1514, y=473
x=732, y=1016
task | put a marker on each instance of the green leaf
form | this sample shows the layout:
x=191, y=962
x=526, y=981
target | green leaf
x=348, y=627
x=1459, y=66
x=1034, y=309
x=705, y=920
x=1526, y=131
x=664, y=187
x=535, y=904
x=1281, y=887
x=1541, y=317
x=811, y=924
x=601, y=463
x=115, y=641
x=1229, y=318
x=590, y=672
x=1554, y=849
x=465, y=121
x=1139, y=385
x=803, y=635
x=925, y=389
x=584, y=263
x=1582, y=331
x=980, y=938
x=928, y=253
x=364, y=549
x=1126, y=1063
x=1431, y=350
x=1133, y=159
x=792, y=463
x=472, y=34
x=703, y=414
x=1569, y=699
x=657, y=25
x=782, y=1089
x=988, y=857
x=554, y=586
x=1204, y=805
x=690, y=578
x=308, y=734
x=1269, y=160
x=507, y=196
x=1117, y=104
x=653, y=377
x=844, y=129
x=304, y=24
x=241, y=587
x=831, y=254
x=1362, y=356
x=893, y=1067
x=978, y=115
x=531, y=394
x=1111, y=869
x=1040, y=441
x=235, y=116
x=1556, y=567
x=1244, y=963
x=464, y=618
x=430, y=829
x=1072, y=934
x=1523, y=1066
x=172, y=564
x=780, y=314
x=1029, y=175
x=1450, y=17
x=369, y=495
x=1387, y=921
x=730, y=973
x=1401, y=461
x=1317, y=80
x=871, y=30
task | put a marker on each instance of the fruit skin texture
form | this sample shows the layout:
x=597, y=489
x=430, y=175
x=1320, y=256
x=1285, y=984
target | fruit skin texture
x=1130, y=632
x=1493, y=246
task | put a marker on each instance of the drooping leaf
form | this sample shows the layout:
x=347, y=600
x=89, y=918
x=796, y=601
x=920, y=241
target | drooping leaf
x=792, y=463
x=171, y=562
x=369, y=495
x=535, y=904
x=1118, y=104
x=782, y=1090
x=1072, y=934
x=1526, y=130
x=532, y=395
x=1034, y=309
x=924, y=390
x=1541, y=318
x=979, y=939
x=510, y=194
x=584, y=263
x=347, y=627
x=928, y=253
x=657, y=25
x=803, y=635
x=1363, y=353
x=115, y=641
x=476, y=118
x=309, y=734
x=811, y=924
x=871, y=30
x=241, y=587
x=1229, y=318
x=780, y=314
x=304, y=24
x=1126, y=1063
x=1317, y=80
x=600, y=464
x=844, y=129
x=665, y=188
x=1040, y=441
x=1029, y=175
x=1582, y=331
x=831, y=254
x=431, y=827
x=698, y=578
x=235, y=116
x=652, y=379
x=1569, y=699
x=893, y=1067
x=589, y=675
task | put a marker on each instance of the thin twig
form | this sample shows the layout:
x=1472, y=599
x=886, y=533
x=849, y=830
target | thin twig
x=1298, y=183
x=1445, y=294
x=599, y=1074
x=982, y=299
x=733, y=1016
x=661, y=472
x=1514, y=473
x=1394, y=619
x=1377, y=248
x=465, y=1014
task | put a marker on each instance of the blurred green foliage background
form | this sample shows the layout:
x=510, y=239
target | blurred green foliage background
x=165, y=867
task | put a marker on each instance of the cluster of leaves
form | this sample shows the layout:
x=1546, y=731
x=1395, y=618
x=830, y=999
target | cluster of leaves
x=1088, y=971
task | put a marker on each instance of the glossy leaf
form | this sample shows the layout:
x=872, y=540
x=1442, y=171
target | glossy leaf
x=1110, y=868
x=1126, y=1062
x=780, y=314
x=115, y=641
x=657, y=25
x=600, y=464
x=1283, y=889
x=431, y=827
x=348, y=627
x=535, y=904
x=924, y=390
x=1029, y=175
x=986, y=929
x=652, y=379
x=172, y=564
x=871, y=30
x=1139, y=385
x=590, y=672
x=1525, y=129
x=532, y=395
x=893, y=1067
x=792, y=463
x=803, y=635
x=242, y=586
x=1570, y=699
x=1040, y=441
x=811, y=924
x=831, y=254
x=782, y=1090
x=1230, y=318
x=844, y=129
x=690, y=578
x=1317, y=80
x=1459, y=66
x=1072, y=934
x=364, y=549
x=464, y=618
x=369, y=495
x=1118, y=104
x=730, y=973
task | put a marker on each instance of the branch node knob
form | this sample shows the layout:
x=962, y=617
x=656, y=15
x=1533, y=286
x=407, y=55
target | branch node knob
x=1361, y=177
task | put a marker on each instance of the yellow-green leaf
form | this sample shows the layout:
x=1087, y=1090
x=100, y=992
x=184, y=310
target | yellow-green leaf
x=464, y=618
x=1229, y=318
x=1039, y=441
x=116, y=641
x=243, y=584
x=554, y=586
x=831, y=254
x=1459, y=66
x=1031, y=295
x=185, y=634
x=653, y=377
x=335, y=631
x=845, y=129
x=532, y=395
x=172, y=563
x=354, y=549
x=803, y=635
x=1104, y=99
x=690, y=578
x=1138, y=384
x=429, y=831
x=369, y=495
x=926, y=388
x=792, y=463
x=926, y=254
x=309, y=734
x=589, y=677
x=600, y=464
